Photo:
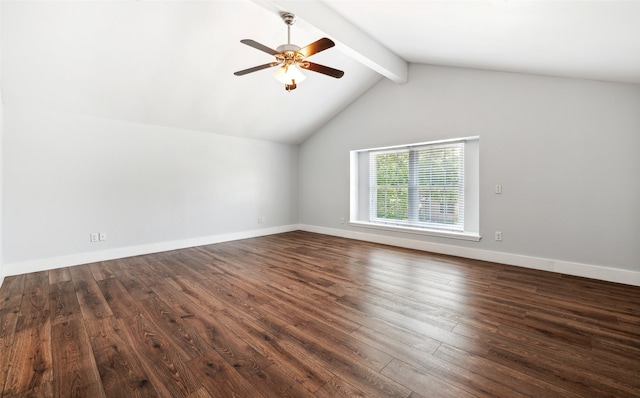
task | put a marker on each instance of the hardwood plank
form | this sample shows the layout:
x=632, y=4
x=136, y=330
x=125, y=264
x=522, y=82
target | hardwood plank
x=407, y=322
x=92, y=303
x=36, y=293
x=186, y=341
x=12, y=292
x=30, y=369
x=118, y=266
x=577, y=381
x=8, y=322
x=226, y=336
x=554, y=363
x=244, y=289
x=136, y=285
x=121, y=371
x=329, y=339
x=624, y=354
x=272, y=382
x=75, y=373
x=337, y=388
x=515, y=380
x=147, y=269
x=448, y=372
x=59, y=275
x=120, y=302
x=63, y=302
x=550, y=352
x=100, y=271
x=180, y=304
x=395, y=348
x=217, y=376
x=159, y=359
x=355, y=373
x=200, y=393
x=417, y=309
x=290, y=358
x=10, y=303
x=161, y=265
x=219, y=333
x=423, y=382
x=231, y=298
x=324, y=310
x=181, y=264
x=606, y=296
x=197, y=293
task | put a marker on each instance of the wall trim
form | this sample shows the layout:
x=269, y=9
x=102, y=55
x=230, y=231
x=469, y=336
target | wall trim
x=45, y=264
x=564, y=267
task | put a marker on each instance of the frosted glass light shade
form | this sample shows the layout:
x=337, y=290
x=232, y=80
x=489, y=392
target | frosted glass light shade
x=287, y=74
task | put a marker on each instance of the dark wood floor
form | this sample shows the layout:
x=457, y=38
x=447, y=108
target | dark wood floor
x=306, y=315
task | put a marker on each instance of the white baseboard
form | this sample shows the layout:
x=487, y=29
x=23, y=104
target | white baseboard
x=105, y=255
x=564, y=267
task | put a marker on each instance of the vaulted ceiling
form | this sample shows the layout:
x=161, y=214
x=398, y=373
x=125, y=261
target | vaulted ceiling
x=171, y=63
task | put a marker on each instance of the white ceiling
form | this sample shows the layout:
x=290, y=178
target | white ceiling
x=585, y=39
x=171, y=63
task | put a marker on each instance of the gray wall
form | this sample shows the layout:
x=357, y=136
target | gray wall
x=66, y=176
x=1, y=158
x=1, y=186
x=564, y=150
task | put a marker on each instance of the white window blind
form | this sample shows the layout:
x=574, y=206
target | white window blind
x=419, y=186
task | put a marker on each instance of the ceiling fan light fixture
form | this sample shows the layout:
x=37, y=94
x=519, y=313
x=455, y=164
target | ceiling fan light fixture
x=290, y=58
x=289, y=75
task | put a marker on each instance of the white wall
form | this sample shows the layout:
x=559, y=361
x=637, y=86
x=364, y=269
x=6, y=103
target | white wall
x=66, y=176
x=1, y=184
x=564, y=150
x=1, y=157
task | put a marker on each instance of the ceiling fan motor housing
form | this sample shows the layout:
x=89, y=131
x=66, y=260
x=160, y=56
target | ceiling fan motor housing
x=288, y=53
x=288, y=18
x=288, y=47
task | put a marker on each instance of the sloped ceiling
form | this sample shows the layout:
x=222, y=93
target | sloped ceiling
x=171, y=63
x=583, y=39
x=168, y=64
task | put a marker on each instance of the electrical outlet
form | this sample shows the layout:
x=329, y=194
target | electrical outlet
x=498, y=236
x=341, y=220
x=498, y=189
x=102, y=236
x=260, y=219
x=93, y=237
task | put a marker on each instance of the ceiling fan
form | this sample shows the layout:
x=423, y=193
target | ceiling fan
x=290, y=58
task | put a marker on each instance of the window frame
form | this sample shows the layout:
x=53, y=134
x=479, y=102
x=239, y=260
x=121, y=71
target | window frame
x=361, y=206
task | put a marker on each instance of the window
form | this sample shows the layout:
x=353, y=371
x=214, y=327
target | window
x=428, y=188
x=418, y=186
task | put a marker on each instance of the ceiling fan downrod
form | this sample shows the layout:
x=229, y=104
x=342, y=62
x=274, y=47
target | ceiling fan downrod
x=288, y=19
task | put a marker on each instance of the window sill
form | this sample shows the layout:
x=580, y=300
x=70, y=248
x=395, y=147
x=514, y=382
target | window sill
x=472, y=236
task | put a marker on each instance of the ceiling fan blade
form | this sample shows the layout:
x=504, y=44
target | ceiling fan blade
x=316, y=47
x=325, y=70
x=261, y=47
x=255, y=68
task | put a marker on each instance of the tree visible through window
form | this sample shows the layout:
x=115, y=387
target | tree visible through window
x=391, y=185
x=418, y=186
